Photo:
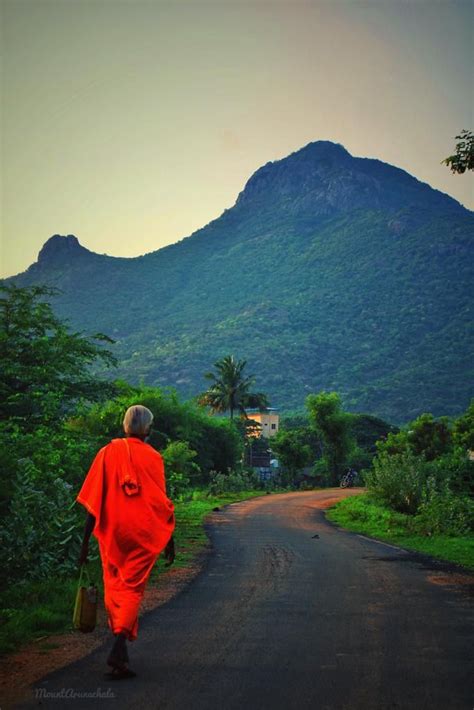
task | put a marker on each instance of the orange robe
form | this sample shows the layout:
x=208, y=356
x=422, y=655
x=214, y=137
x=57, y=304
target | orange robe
x=125, y=491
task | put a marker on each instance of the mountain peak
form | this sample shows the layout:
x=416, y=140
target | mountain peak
x=322, y=149
x=323, y=179
x=60, y=249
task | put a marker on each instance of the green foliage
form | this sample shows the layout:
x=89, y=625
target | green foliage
x=180, y=467
x=293, y=451
x=364, y=432
x=215, y=440
x=463, y=159
x=321, y=475
x=443, y=512
x=367, y=430
x=457, y=470
x=333, y=426
x=363, y=514
x=233, y=482
x=41, y=533
x=44, y=368
x=54, y=424
x=398, y=480
x=463, y=430
x=230, y=389
x=375, y=303
x=425, y=436
x=44, y=376
x=369, y=510
x=359, y=459
x=34, y=608
x=430, y=437
x=425, y=471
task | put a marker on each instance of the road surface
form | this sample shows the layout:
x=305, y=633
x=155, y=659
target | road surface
x=291, y=613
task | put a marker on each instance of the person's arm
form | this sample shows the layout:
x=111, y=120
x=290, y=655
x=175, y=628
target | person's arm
x=89, y=526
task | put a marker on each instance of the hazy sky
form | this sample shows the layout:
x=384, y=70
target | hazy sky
x=132, y=123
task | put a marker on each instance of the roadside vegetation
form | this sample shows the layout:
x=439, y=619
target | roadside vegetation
x=55, y=416
x=420, y=490
x=37, y=608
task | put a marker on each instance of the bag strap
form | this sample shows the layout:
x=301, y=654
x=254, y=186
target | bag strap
x=84, y=572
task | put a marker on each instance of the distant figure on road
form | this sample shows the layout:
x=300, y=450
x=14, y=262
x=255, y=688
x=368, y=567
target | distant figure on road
x=133, y=520
x=347, y=481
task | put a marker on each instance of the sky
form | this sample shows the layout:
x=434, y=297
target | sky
x=132, y=123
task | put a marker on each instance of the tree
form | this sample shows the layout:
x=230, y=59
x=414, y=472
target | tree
x=333, y=425
x=425, y=436
x=430, y=437
x=368, y=429
x=293, y=450
x=44, y=375
x=180, y=466
x=44, y=367
x=230, y=388
x=464, y=429
x=463, y=159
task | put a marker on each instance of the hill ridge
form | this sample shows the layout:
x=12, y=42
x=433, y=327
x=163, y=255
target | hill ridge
x=318, y=281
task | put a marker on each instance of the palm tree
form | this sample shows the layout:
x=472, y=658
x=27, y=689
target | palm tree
x=230, y=388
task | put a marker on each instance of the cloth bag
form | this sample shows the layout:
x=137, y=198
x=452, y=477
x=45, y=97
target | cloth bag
x=85, y=609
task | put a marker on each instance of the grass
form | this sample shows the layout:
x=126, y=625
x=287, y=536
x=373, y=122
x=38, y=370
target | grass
x=362, y=514
x=33, y=610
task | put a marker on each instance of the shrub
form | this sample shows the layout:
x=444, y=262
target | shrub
x=321, y=474
x=180, y=467
x=398, y=480
x=457, y=470
x=41, y=532
x=233, y=482
x=443, y=512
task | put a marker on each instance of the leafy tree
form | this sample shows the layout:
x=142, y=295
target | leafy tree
x=216, y=441
x=463, y=159
x=367, y=430
x=333, y=425
x=231, y=389
x=425, y=436
x=44, y=367
x=181, y=468
x=293, y=451
x=430, y=437
x=463, y=430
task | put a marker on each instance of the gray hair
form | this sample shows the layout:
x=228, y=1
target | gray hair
x=137, y=420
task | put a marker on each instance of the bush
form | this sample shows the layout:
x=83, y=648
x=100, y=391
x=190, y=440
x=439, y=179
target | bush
x=457, y=470
x=398, y=480
x=321, y=474
x=359, y=459
x=41, y=533
x=233, y=482
x=180, y=467
x=216, y=441
x=443, y=512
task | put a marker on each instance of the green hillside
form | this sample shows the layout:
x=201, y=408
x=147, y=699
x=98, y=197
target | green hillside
x=330, y=272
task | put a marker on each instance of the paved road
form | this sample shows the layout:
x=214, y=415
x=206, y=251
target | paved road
x=280, y=619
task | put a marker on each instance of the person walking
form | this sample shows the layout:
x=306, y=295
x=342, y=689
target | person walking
x=133, y=520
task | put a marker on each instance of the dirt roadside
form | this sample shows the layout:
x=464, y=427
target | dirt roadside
x=49, y=653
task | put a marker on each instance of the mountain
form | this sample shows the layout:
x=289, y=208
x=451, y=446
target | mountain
x=329, y=272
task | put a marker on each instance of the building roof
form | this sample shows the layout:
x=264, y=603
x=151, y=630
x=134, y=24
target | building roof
x=267, y=410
